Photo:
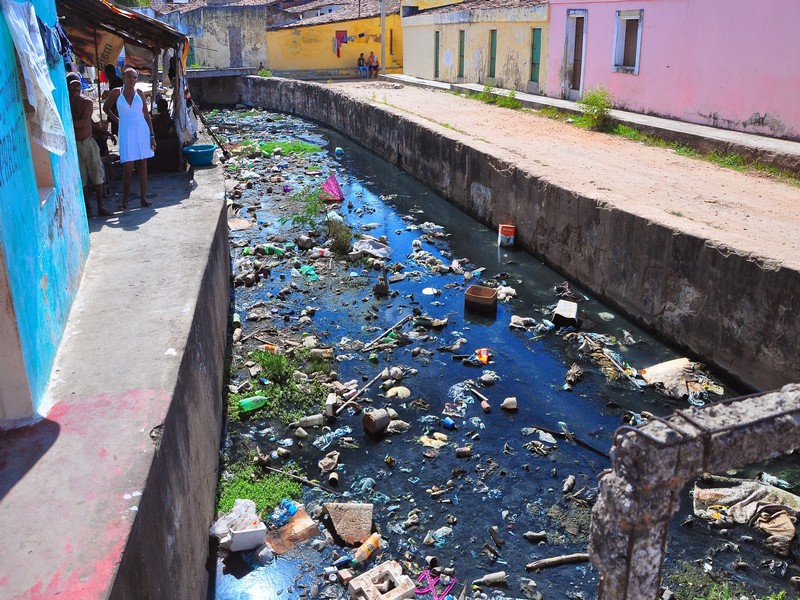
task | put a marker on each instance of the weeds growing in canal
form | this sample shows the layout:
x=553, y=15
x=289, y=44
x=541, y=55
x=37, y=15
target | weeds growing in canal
x=310, y=210
x=341, y=236
x=288, y=147
x=285, y=403
x=246, y=480
x=274, y=367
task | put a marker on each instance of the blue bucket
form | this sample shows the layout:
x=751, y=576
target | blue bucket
x=199, y=154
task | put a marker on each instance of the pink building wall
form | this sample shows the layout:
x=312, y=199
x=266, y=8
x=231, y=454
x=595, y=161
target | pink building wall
x=733, y=64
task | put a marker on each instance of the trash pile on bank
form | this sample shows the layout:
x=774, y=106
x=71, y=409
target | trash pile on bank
x=291, y=262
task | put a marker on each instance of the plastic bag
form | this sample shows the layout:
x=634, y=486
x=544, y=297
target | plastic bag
x=242, y=516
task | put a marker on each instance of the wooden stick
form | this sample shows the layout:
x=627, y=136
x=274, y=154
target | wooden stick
x=300, y=479
x=387, y=332
x=555, y=561
x=580, y=442
x=359, y=392
x=346, y=405
x=213, y=135
x=478, y=394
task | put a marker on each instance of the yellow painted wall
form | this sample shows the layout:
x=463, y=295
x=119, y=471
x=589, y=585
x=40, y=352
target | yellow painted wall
x=514, y=38
x=311, y=48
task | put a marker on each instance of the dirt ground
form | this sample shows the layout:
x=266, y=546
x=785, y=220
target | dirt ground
x=748, y=213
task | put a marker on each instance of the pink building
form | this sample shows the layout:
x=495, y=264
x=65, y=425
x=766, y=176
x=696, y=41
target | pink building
x=733, y=64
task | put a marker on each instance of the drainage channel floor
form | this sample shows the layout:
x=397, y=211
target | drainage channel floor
x=464, y=495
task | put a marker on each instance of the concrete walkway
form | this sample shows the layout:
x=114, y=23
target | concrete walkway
x=780, y=153
x=111, y=494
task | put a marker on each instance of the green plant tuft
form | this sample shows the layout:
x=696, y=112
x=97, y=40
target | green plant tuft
x=596, y=105
x=274, y=367
x=310, y=209
x=288, y=147
x=341, y=236
x=509, y=101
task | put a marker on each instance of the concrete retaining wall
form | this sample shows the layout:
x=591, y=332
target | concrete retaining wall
x=731, y=310
x=166, y=553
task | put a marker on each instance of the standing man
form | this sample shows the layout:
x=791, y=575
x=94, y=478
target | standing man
x=89, y=160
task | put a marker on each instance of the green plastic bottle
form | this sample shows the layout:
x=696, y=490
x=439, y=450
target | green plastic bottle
x=252, y=403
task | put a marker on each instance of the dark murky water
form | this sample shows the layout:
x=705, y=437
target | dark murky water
x=503, y=485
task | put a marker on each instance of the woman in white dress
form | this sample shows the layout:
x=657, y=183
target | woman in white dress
x=137, y=142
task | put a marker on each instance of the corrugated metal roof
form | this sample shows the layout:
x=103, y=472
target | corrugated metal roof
x=133, y=27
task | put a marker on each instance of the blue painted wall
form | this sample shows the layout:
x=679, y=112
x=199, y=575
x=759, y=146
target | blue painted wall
x=45, y=246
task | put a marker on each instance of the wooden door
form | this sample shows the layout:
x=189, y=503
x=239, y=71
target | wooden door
x=577, y=61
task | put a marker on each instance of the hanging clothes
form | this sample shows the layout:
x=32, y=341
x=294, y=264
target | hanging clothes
x=50, y=42
x=46, y=127
x=66, y=46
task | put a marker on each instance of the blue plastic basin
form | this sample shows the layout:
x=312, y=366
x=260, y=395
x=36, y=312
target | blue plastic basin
x=199, y=154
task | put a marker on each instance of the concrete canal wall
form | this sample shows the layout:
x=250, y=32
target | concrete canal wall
x=732, y=310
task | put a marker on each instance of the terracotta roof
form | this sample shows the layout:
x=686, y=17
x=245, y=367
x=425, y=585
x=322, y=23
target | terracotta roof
x=482, y=5
x=353, y=10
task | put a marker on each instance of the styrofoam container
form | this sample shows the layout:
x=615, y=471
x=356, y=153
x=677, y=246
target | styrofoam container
x=247, y=539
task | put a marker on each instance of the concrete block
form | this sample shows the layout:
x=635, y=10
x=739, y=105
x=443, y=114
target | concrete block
x=384, y=582
x=352, y=521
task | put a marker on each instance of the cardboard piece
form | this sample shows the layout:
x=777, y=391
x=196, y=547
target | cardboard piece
x=298, y=529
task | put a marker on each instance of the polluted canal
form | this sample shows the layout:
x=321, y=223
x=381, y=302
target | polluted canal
x=395, y=371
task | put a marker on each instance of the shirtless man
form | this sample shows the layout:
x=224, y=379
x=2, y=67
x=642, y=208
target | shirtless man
x=89, y=161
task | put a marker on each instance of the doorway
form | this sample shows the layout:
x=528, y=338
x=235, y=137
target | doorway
x=574, y=51
x=235, y=45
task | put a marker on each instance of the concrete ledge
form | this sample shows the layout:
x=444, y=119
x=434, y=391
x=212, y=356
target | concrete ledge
x=210, y=73
x=112, y=493
x=729, y=308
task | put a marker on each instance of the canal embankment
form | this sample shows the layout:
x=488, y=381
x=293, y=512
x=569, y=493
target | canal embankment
x=713, y=284
x=110, y=495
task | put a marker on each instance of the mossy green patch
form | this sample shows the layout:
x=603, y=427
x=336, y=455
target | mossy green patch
x=288, y=147
x=247, y=481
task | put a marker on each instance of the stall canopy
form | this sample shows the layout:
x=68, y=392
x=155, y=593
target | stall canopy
x=98, y=30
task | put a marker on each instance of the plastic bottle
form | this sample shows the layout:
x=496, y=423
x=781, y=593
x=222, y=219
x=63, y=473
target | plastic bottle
x=283, y=512
x=367, y=549
x=252, y=403
x=273, y=249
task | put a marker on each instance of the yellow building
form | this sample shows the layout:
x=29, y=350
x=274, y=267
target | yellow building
x=500, y=42
x=329, y=38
